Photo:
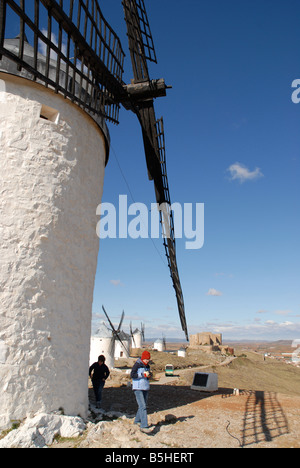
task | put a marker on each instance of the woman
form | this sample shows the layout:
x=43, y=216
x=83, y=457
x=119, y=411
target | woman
x=140, y=375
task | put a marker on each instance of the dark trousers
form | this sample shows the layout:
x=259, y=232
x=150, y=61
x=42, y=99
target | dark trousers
x=98, y=387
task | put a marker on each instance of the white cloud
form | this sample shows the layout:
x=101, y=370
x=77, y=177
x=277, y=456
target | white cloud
x=256, y=330
x=116, y=282
x=241, y=173
x=283, y=312
x=213, y=292
x=268, y=330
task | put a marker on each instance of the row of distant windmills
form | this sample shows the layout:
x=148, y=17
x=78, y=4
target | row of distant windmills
x=114, y=343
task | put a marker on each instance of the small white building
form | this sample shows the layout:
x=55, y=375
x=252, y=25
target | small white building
x=102, y=343
x=182, y=352
x=122, y=350
x=159, y=345
x=137, y=339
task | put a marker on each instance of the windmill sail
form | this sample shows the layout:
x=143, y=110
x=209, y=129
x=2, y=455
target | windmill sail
x=132, y=336
x=143, y=331
x=140, y=39
x=115, y=332
x=142, y=49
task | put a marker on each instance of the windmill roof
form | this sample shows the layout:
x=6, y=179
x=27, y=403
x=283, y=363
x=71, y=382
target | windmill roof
x=103, y=331
x=124, y=336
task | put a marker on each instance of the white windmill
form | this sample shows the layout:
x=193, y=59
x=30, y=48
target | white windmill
x=160, y=344
x=122, y=350
x=137, y=336
x=105, y=341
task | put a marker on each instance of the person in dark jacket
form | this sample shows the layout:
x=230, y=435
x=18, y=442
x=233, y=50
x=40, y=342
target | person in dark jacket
x=140, y=375
x=99, y=373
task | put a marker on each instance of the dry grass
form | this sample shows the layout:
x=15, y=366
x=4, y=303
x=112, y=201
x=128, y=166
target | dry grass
x=159, y=360
x=250, y=372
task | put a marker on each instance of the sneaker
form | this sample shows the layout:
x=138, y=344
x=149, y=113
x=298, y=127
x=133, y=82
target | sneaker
x=146, y=430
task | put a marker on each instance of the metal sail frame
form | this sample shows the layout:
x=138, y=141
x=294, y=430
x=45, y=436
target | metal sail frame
x=142, y=50
x=84, y=61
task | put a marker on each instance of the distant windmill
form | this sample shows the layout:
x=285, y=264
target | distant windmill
x=143, y=331
x=164, y=343
x=116, y=337
x=105, y=342
x=61, y=79
x=160, y=344
x=133, y=340
x=137, y=336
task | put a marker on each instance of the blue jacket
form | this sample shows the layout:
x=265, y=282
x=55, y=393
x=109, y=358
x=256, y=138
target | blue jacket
x=139, y=382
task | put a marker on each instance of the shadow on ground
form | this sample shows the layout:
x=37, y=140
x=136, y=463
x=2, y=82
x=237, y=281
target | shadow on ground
x=264, y=418
x=161, y=398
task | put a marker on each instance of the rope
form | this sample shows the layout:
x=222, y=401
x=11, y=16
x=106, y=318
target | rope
x=236, y=438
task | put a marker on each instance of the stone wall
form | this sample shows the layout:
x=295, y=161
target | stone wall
x=205, y=339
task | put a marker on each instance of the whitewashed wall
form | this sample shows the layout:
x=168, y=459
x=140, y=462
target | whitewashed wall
x=137, y=342
x=51, y=181
x=102, y=345
x=122, y=350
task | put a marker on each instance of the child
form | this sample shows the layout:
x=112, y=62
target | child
x=140, y=385
x=100, y=374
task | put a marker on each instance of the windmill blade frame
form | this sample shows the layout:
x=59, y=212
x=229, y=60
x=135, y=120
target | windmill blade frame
x=143, y=331
x=108, y=319
x=132, y=335
x=114, y=331
x=121, y=322
x=140, y=39
x=164, y=343
x=154, y=142
x=111, y=349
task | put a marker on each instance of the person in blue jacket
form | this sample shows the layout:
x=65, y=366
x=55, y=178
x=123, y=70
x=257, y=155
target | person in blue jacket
x=140, y=375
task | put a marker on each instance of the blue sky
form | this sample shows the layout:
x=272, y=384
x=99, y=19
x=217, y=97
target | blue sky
x=232, y=139
x=231, y=64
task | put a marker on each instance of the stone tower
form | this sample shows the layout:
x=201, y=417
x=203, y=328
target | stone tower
x=52, y=161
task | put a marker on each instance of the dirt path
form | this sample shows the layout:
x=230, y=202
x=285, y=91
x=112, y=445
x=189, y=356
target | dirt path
x=179, y=373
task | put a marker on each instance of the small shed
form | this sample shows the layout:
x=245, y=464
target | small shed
x=182, y=352
x=122, y=350
x=101, y=343
x=159, y=345
x=137, y=339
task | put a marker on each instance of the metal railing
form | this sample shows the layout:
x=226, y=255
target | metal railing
x=72, y=50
